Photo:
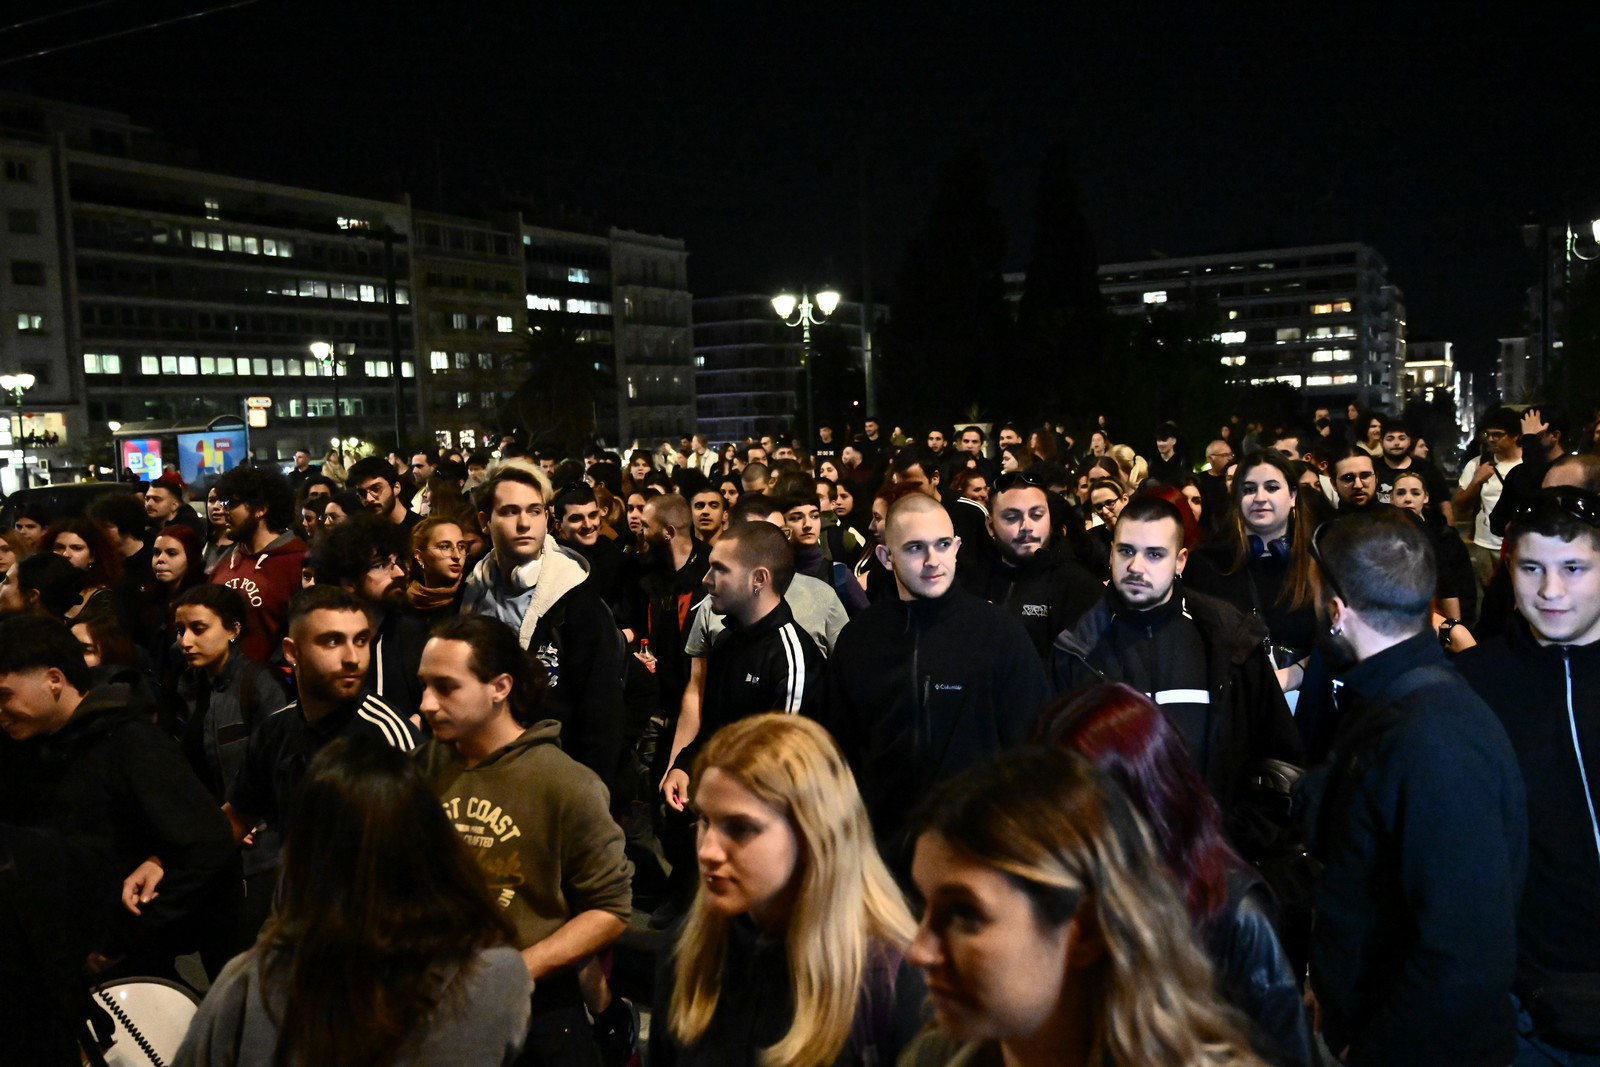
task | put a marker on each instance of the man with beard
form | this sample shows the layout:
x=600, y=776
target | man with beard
x=363, y=556
x=1030, y=578
x=1397, y=441
x=380, y=487
x=165, y=503
x=1201, y=659
x=1420, y=825
x=1355, y=480
x=263, y=565
x=329, y=650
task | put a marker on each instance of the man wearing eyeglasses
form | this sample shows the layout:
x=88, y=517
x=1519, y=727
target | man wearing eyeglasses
x=1542, y=678
x=263, y=565
x=1030, y=576
x=380, y=487
x=1355, y=479
x=1483, y=479
x=1420, y=824
x=1214, y=484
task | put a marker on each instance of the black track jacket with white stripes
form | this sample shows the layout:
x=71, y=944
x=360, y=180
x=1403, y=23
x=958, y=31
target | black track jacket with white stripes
x=771, y=665
x=283, y=744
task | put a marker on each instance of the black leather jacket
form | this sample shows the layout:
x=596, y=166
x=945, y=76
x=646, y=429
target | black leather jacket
x=1254, y=973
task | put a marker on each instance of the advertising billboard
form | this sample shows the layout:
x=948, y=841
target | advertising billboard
x=142, y=456
x=203, y=456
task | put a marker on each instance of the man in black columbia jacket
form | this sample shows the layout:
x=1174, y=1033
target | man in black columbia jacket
x=1542, y=678
x=1419, y=824
x=924, y=686
x=1202, y=660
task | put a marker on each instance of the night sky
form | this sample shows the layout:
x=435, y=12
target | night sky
x=1206, y=128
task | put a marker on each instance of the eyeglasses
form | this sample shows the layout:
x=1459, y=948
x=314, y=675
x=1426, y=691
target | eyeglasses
x=1011, y=479
x=373, y=491
x=1355, y=476
x=1322, y=564
x=384, y=563
x=1561, y=500
x=230, y=504
x=1105, y=505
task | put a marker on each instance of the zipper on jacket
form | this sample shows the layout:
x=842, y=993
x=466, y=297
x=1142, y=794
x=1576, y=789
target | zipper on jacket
x=1583, y=773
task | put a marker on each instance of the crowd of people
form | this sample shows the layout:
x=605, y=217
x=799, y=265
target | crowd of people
x=984, y=746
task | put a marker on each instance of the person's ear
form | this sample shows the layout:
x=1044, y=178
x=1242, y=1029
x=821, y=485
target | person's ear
x=760, y=578
x=500, y=688
x=882, y=552
x=1087, y=942
x=291, y=653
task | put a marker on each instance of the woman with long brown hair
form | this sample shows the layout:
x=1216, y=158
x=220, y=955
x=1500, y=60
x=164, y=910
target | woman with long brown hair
x=385, y=948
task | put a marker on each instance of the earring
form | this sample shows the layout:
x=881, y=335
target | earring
x=1336, y=631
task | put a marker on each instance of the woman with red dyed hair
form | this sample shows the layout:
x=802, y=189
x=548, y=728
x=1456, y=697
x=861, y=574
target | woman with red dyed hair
x=1121, y=732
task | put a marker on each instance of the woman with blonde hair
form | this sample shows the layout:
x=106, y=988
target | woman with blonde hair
x=792, y=952
x=1134, y=466
x=1053, y=932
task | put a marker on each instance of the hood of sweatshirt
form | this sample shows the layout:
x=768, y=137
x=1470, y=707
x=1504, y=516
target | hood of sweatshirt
x=543, y=732
x=284, y=544
x=561, y=570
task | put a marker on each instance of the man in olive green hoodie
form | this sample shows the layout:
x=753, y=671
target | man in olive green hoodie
x=536, y=819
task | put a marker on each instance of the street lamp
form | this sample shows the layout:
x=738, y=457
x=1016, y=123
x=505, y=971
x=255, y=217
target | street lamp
x=14, y=385
x=333, y=356
x=785, y=305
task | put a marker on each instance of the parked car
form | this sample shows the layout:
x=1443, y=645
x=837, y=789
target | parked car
x=66, y=501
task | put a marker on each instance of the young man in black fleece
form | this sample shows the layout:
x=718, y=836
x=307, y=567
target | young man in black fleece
x=928, y=684
x=1419, y=824
x=88, y=789
x=1542, y=678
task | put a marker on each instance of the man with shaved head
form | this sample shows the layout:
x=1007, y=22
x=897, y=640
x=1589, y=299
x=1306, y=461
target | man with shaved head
x=927, y=684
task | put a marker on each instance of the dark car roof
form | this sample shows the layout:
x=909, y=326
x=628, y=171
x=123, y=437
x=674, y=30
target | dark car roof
x=58, y=501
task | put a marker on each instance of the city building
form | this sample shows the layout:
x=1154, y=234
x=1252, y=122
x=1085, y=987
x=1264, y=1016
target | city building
x=1518, y=369
x=749, y=378
x=1433, y=375
x=151, y=295
x=1321, y=318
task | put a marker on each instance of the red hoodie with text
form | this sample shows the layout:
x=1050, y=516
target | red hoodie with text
x=267, y=580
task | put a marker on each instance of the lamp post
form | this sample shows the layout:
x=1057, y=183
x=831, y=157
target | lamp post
x=333, y=356
x=806, y=316
x=14, y=385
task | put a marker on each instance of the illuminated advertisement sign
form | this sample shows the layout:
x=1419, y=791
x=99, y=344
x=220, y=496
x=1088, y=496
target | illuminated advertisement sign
x=203, y=456
x=143, y=457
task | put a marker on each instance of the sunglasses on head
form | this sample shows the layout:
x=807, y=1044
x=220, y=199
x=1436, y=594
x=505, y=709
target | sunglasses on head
x=1012, y=479
x=1562, y=500
x=1322, y=564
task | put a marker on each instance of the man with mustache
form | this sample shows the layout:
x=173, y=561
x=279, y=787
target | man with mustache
x=363, y=556
x=329, y=649
x=1030, y=576
x=1201, y=659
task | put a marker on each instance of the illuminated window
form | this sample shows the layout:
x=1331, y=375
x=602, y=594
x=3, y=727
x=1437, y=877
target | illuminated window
x=401, y=296
x=463, y=361
x=235, y=243
x=225, y=365
x=94, y=363
x=1288, y=333
x=458, y=321
x=502, y=323
x=269, y=246
x=149, y=365
x=543, y=303
x=577, y=274
x=438, y=361
x=214, y=241
x=1158, y=296
x=208, y=365
x=408, y=369
x=377, y=368
x=197, y=238
x=463, y=400
x=1319, y=379
x=353, y=224
x=169, y=364
x=486, y=361
x=1344, y=379
x=257, y=366
x=588, y=307
x=1330, y=355
x=213, y=209
x=369, y=294
x=252, y=246
x=28, y=322
x=1232, y=313
x=1233, y=361
x=1339, y=307
x=1232, y=337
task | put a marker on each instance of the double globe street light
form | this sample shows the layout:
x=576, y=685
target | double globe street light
x=806, y=315
x=14, y=385
x=332, y=356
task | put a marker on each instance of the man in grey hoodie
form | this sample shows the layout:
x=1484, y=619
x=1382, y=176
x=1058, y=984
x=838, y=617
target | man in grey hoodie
x=541, y=589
